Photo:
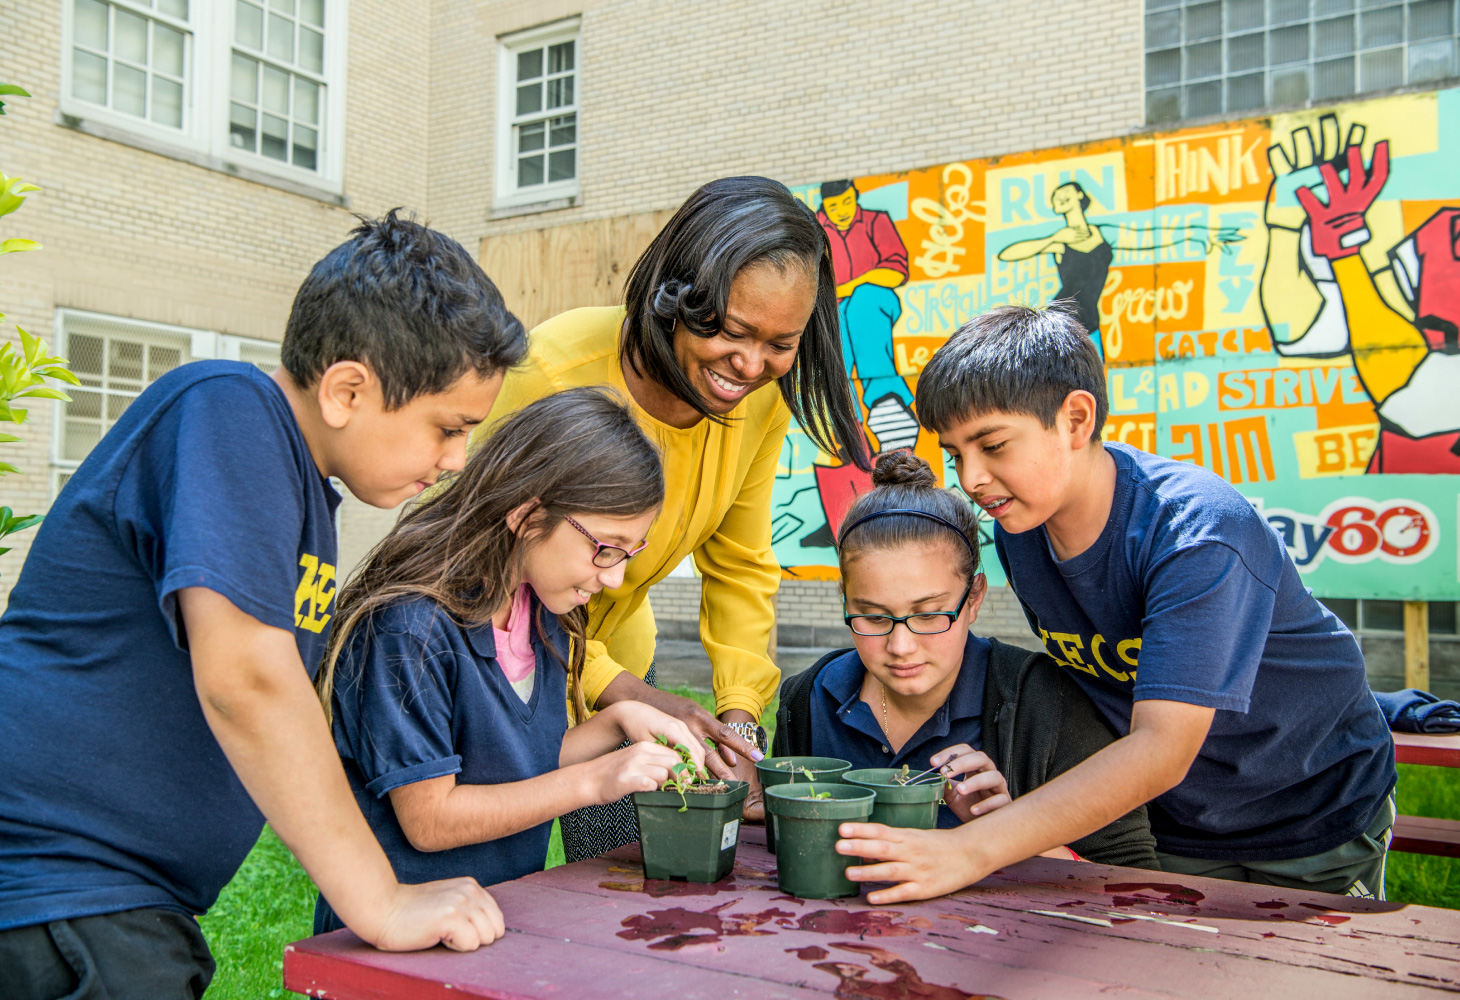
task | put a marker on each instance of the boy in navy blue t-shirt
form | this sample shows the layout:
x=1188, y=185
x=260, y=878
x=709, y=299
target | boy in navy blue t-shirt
x=1246, y=718
x=156, y=654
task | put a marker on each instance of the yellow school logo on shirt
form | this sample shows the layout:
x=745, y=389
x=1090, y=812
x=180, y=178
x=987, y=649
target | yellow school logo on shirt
x=313, y=596
x=1070, y=650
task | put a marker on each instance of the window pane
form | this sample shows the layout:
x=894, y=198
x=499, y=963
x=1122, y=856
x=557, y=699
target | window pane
x=560, y=57
x=1163, y=29
x=274, y=138
x=1387, y=615
x=529, y=171
x=1243, y=14
x=1334, y=78
x=161, y=360
x=529, y=64
x=129, y=90
x=1381, y=70
x=1203, y=99
x=167, y=50
x=1203, y=60
x=124, y=362
x=1288, y=10
x=248, y=25
x=1163, y=67
x=1245, y=52
x=564, y=130
x=1244, y=92
x=1333, y=38
x=1442, y=617
x=530, y=137
x=1431, y=61
x=90, y=26
x=311, y=50
x=276, y=91
x=312, y=12
x=1287, y=45
x=1346, y=609
x=1163, y=105
x=1290, y=86
x=306, y=101
x=1158, y=4
x=242, y=127
x=1431, y=19
x=529, y=98
x=88, y=76
x=1203, y=21
x=115, y=406
x=561, y=164
x=244, y=79
x=131, y=40
x=84, y=355
x=306, y=147
x=167, y=101
x=1382, y=27
x=174, y=8
x=1322, y=7
x=560, y=92
x=80, y=439
x=281, y=38
x=287, y=6
x=86, y=405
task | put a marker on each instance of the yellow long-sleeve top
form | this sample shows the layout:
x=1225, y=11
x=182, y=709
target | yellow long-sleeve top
x=717, y=506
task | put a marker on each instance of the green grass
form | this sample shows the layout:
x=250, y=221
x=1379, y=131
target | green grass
x=271, y=901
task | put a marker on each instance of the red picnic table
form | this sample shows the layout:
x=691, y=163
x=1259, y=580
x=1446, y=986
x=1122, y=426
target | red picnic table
x=1038, y=929
x=1421, y=834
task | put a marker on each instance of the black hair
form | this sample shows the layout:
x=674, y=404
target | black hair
x=1016, y=359
x=409, y=302
x=830, y=189
x=685, y=276
x=1084, y=198
x=903, y=481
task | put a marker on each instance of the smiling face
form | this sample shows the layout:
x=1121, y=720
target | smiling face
x=841, y=209
x=386, y=457
x=907, y=580
x=1016, y=469
x=767, y=310
x=560, y=568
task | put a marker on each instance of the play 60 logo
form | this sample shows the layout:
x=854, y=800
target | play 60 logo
x=1356, y=530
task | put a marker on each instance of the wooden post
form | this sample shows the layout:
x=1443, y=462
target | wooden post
x=1417, y=644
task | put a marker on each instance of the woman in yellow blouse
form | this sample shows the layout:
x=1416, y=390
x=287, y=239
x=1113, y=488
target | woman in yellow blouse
x=730, y=330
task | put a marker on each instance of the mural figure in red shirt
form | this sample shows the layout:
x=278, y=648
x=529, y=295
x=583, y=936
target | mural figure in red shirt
x=869, y=261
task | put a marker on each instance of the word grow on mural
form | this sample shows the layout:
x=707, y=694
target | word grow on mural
x=1276, y=300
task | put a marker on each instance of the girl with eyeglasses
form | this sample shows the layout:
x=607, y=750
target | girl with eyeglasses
x=460, y=641
x=728, y=330
x=918, y=688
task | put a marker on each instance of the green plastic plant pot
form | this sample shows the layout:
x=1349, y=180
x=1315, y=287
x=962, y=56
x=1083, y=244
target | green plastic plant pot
x=807, y=864
x=696, y=845
x=825, y=769
x=913, y=806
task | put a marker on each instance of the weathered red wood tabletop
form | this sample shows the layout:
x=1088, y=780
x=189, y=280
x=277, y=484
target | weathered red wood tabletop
x=1039, y=929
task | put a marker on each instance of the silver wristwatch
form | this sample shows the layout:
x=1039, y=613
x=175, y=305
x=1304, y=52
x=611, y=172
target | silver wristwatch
x=752, y=733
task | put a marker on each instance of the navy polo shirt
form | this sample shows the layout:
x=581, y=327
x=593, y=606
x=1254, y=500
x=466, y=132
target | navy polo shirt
x=844, y=726
x=419, y=696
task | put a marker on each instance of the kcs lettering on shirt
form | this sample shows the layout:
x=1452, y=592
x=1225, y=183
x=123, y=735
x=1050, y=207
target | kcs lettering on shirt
x=313, y=596
x=1070, y=649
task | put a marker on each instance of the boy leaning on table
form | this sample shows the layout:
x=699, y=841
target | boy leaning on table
x=155, y=658
x=1246, y=718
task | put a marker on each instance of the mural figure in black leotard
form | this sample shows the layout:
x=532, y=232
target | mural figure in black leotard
x=1084, y=250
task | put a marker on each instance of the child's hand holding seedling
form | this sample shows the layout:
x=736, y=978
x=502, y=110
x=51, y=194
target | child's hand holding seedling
x=641, y=723
x=983, y=791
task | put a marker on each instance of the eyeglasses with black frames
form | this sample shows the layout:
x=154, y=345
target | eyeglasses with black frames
x=922, y=623
x=606, y=556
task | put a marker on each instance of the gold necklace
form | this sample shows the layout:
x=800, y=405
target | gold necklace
x=886, y=729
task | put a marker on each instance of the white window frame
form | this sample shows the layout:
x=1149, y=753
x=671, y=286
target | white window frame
x=507, y=193
x=197, y=345
x=204, y=137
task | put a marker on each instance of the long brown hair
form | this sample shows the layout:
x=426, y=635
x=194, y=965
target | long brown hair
x=577, y=452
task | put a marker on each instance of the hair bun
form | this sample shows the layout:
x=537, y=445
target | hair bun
x=903, y=468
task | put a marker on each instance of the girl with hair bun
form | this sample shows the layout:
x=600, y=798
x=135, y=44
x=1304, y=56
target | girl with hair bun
x=918, y=688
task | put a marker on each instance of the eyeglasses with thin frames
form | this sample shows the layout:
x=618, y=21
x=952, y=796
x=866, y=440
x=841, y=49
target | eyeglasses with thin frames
x=606, y=556
x=922, y=623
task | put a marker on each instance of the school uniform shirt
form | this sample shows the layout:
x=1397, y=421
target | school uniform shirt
x=717, y=507
x=844, y=726
x=418, y=696
x=115, y=795
x=1188, y=595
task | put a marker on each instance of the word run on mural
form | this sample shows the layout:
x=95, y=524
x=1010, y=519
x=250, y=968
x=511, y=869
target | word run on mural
x=1277, y=301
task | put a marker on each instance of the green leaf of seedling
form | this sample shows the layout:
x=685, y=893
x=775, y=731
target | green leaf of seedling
x=661, y=740
x=17, y=245
x=709, y=743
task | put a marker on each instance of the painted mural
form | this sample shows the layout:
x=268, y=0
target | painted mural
x=1276, y=300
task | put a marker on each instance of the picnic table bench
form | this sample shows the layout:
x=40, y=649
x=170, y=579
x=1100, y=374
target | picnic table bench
x=1038, y=929
x=1421, y=834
